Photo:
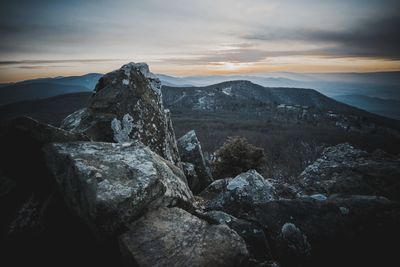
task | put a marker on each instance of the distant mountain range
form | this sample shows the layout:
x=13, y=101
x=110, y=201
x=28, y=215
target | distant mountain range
x=378, y=93
x=380, y=84
x=385, y=107
x=245, y=95
x=47, y=87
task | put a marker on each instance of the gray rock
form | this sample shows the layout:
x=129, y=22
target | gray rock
x=190, y=173
x=109, y=185
x=342, y=169
x=131, y=90
x=191, y=152
x=38, y=132
x=174, y=237
x=247, y=188
x=256, y=241
x=293, y=243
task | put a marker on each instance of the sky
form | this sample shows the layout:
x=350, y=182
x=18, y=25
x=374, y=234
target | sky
x=46, y=38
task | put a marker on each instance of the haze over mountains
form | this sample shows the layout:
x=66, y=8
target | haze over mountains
x=378, y=92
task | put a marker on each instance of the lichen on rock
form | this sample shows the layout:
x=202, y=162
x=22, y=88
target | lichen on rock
x=109, y=185
x=122, y=130
x=131, y=90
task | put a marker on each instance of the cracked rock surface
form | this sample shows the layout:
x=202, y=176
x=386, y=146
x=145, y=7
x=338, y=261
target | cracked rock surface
x=174, y=237
x=109, y=185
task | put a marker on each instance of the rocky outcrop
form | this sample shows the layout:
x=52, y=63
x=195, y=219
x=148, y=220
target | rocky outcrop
x=346, y=170
x=131, y=90
x=245, y=189
x=109, y=185
x=308, y=230
x=174, y=237
x=191, y=152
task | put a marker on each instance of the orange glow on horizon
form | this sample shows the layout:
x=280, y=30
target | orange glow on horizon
x=299, y=65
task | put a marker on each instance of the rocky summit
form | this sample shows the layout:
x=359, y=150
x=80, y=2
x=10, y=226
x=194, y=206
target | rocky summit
x=128, y=99
x=113, y=187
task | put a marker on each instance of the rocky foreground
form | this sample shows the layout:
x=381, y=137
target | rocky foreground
x=113, y=186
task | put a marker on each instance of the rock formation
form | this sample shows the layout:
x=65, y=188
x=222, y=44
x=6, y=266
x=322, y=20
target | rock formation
x=191, y=152
x=249, y=187
x=131, y=90
x=65, y=195
x=174, y=237
x=342, y=169
x=110, y=185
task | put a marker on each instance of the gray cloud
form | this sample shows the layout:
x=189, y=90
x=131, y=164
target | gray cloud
x=56, y=61
x=377, y=37
x=174, y=34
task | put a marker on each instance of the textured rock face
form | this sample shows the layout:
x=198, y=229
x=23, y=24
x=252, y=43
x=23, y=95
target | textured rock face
x=174, y=237
x=109, y=185
x=191, y=152
x=131, y=90
x=247, y=188
x=255, y=239
x=344, y=169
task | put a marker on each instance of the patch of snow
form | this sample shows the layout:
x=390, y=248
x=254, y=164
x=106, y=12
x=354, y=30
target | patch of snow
x=179, y=98
x=73, y=120
x=125, y=82
x=319, y=197
x=227, y=91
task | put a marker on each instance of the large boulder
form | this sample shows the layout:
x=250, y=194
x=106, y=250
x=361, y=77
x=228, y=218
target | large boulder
x=191, y=152
x=110, y=185
x=246, y=189
x=134, y=91
x=347, y=170
x=174, y=237
x=36, y=227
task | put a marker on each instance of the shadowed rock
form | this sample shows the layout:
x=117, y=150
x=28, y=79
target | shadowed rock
x=191, y=175
x=350, y=231
x=109, y=185
x=174, y=237
x=253, y=235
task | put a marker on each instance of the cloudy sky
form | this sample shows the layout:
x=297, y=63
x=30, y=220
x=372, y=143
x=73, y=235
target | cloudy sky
x=190, y=37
